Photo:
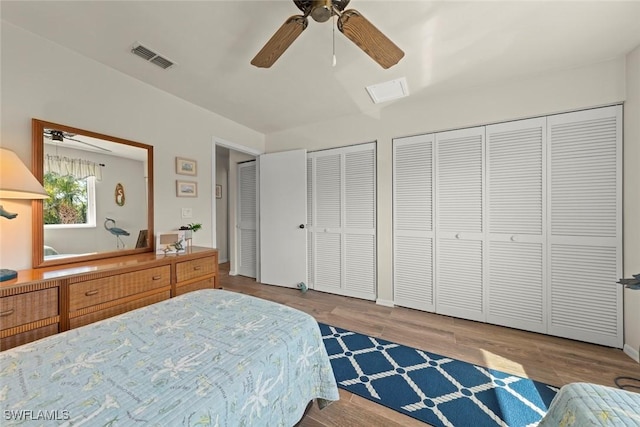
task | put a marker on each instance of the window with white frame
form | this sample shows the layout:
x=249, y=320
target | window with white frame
x=70, y=184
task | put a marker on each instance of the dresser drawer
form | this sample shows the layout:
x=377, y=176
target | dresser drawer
x=76, y=322
x=188, y=270
x=194, y=286
x=28, y=307
x=97, y=291
x=28, y=336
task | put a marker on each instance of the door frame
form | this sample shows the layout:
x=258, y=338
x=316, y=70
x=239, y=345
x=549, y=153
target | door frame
x=246, y=150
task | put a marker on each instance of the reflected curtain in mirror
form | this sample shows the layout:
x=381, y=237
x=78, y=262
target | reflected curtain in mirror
x=77, y=168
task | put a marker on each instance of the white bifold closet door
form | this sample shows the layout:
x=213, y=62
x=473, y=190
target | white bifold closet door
x=247, y=208
x=585, y=240
x=526, y=230
x=460, y=289
x=413, y=242
x=516, y=224
x=342, y=221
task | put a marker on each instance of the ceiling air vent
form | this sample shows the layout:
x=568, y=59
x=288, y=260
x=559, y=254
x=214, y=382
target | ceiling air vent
x=151, y=56
x=388, y=91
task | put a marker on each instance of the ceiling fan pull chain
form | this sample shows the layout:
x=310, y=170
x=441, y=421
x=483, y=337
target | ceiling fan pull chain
x=333, y=32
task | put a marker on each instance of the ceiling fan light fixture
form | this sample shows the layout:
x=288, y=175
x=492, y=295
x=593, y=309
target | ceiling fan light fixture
x=321, y=10
x=57, y=135
x=350, y=22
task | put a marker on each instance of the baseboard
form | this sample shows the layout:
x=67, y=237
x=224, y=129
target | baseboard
x=631, y=352
x=233, y=273
x=385, y=302
x=222, y=261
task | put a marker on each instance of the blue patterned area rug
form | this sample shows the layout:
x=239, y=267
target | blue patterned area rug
x=435, y=389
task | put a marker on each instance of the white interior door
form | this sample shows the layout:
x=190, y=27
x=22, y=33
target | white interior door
x=413, y=237
x=342, y=224
x=247, y=208
x=516, y=224
x=460, y=283
x=283, y=210
x=585, y=229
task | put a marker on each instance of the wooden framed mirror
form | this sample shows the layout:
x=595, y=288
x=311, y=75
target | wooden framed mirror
x=82, y=170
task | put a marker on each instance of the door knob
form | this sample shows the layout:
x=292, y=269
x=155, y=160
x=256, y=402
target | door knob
x=301, y=226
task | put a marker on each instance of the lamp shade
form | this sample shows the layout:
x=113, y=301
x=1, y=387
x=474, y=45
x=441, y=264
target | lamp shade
x=16, y=181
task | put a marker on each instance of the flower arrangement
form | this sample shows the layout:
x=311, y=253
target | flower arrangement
x=189, y=229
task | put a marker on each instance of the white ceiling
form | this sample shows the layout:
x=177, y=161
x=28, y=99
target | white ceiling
x=448, y=45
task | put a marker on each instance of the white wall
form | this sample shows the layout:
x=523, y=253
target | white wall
x=631, y=202
x=560, y=91
x=43, y=80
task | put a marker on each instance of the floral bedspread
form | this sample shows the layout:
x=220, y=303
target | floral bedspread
x=586, y=404
x=207, y=358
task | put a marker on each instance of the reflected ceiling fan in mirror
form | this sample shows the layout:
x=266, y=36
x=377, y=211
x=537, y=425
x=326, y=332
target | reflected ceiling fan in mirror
x=350, y=23
x=60, y=136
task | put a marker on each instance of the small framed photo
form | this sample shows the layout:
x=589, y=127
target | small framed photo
x=186, y=188
x=186, y=166
x=218, y=191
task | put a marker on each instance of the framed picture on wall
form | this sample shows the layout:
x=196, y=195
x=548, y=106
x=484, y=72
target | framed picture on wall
x=186, y=166
x=186, y=188
x=218, y=191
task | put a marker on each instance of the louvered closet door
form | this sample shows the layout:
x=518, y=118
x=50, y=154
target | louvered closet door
x=360, y=221
x=247, y=219
x=515, y=201
x=342, y=230
x=413, y=222
x=310, y=234
x=459, y=223
x=585, y=225
x=326, y=230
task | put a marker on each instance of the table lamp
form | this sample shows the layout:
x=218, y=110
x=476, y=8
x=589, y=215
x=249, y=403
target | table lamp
x=16, y=182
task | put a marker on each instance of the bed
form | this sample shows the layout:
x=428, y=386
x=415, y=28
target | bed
x=586, y=404
x=210, y=357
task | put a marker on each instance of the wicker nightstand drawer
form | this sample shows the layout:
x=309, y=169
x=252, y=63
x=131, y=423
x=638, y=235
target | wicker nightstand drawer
x=188, y=270
x=29, y=307
x=97, y=291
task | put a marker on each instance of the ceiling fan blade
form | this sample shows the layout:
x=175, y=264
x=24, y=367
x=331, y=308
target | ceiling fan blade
x=280, y=41
x=90, y=145
x=368, y=38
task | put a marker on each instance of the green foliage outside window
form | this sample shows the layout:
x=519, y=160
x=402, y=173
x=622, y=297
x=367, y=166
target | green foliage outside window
x=68, y=200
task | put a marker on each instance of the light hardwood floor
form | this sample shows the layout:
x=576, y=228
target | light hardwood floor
x=552, y=360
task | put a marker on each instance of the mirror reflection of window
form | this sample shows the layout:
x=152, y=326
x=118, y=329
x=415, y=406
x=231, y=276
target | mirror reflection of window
x=71, y=201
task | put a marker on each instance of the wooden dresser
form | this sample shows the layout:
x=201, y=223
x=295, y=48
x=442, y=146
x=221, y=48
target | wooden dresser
x=43, y=302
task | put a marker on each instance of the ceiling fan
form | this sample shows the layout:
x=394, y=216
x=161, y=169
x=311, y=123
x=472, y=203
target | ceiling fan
x=60, y=136
x=350, y=22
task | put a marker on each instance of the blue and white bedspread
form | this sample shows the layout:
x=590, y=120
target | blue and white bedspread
x=209, y=357
x=586, y=404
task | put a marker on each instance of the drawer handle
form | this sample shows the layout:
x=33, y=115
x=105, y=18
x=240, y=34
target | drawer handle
x=91, y=293
x=156, y=277
x=7, y=312
x=197, y=267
